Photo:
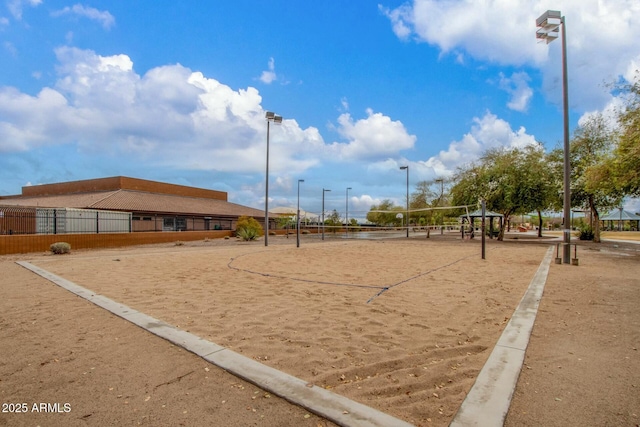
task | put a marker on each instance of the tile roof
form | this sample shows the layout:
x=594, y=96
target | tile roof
x=138, y=201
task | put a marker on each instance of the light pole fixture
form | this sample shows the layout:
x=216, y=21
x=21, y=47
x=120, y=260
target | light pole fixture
x=323, y=191
x=346, y=221
x=407, y=168
x=271, y=117
x=441, y=181
x=548, y=29
x=298, y=216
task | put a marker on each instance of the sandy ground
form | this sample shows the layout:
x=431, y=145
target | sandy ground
x=95, y=369
x=401, y=325
x=582, y=366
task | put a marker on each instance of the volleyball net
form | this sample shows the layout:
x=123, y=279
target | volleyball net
x=386, y=223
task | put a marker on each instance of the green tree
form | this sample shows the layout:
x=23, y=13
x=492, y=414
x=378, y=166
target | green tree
x=384, y=214
x=626, y=162
x=333, y=220
x=286, y=221
x=592, y=175
x=540, y=189
x=510, y=180
x=428, y=194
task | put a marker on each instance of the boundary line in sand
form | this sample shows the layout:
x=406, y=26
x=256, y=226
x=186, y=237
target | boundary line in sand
x=488, y=401
x=327, y=404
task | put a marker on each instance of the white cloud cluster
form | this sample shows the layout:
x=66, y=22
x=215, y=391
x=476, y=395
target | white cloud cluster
x=372, y=138
x=269, y=76
x=518, y=87
x=486, y=133
x=494, y=30
x=173, y=116
x=101, y=16
x=15, y=6
x=602, y=39
x=361, y=204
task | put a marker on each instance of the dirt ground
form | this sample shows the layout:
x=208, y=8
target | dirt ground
x=582, y=365
x=400, y=325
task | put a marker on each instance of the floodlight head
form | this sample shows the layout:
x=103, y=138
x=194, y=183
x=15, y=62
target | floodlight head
x=301, y=180
x=349, y=188
x=549, y=25
x=277, y=119
x=404, y=167
x=270, y=115
x=324, y=189
x=547, y=36
x=549, y=18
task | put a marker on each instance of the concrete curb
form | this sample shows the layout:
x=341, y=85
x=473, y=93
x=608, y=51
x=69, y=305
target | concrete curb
x=488, y=400
x=336, y=408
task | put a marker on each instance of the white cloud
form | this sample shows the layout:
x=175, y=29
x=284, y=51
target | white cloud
x=602, y=38
x=15, y=6
x=4, y=21
x=477, y=27
x=174, y=117
x=633, y=70
x=399, y=20
x=104, y=18
x=344, y=102
x=487, y=132
x=10, y=47
x=374, y=137
x=518, y=87
x=362, y=204
x=269, y=76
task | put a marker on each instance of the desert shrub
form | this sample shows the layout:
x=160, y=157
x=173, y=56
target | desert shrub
x=60, y=248
x=248, y=228
x=179, y=243
x=585, y=233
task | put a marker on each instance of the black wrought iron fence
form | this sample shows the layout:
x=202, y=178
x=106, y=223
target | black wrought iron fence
x=33, y=220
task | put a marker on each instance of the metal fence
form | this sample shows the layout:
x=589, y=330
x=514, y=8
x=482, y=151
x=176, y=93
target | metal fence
x=30, y=220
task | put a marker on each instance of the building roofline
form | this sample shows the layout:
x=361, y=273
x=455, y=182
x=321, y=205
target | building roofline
x=120, y=183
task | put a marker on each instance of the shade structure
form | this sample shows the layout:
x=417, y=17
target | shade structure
x=620, y=216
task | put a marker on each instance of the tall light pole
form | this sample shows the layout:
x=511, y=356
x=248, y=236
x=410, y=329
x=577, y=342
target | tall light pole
x=441, y=181
x=407, y=168
x=271, y=117
x=298, y=216
x=323, y=191
x=548, y=28
x=346, y=221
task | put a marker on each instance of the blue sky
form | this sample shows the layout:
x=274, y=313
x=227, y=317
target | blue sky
x=177, y=91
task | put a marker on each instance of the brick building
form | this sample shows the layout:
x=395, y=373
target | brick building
x=154, y=206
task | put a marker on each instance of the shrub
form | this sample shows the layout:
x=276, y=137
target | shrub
x=248, y=228
x=59, y=248
x=585, y=233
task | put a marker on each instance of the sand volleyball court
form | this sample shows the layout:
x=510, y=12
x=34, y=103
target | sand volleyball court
x=403, y=326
